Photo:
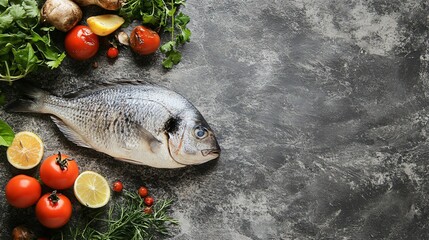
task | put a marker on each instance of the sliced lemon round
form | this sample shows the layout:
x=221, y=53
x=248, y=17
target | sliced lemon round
x=91, y=189
x=26, y=150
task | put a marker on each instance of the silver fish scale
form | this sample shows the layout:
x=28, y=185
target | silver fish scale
x=113, y=115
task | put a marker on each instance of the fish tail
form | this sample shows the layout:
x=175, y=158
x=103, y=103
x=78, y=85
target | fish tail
x=32, y=100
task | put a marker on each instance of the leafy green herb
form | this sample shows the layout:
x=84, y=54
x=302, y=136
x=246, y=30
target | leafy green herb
x=125, y=220
x=6, y=134
x=24, y=46
x=162, y=15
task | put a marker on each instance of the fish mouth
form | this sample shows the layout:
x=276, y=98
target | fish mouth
x=206, y=152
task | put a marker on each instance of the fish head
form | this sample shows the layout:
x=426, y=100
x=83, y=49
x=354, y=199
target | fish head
x=193, y=143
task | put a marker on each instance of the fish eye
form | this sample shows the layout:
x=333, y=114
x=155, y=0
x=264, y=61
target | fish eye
x=201, y=132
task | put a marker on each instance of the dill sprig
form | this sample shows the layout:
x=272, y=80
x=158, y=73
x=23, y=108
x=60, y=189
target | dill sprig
x=126, y=219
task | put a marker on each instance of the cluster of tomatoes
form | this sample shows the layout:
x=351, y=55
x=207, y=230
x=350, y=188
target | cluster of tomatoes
x=53, y=209
x=81, y=43
x=117, y=186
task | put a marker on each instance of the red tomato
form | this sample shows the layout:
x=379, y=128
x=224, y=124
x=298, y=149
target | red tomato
x=81, y=43
x=59, y=172
x=144, y=41
x=53, y=210
x=117, y=186
x=143, y=192
x=148, y=201
x=23, y=191
x=112, y=52
x=148, y=210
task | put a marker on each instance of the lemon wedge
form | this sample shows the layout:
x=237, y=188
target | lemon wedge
x=26, y=150
x=91, y=189
x=103, y=25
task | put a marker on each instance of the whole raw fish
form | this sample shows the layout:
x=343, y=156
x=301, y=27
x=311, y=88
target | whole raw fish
x=137, y=123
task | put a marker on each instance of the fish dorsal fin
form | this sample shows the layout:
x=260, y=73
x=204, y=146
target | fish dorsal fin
x=69, y=133
x=104, y=85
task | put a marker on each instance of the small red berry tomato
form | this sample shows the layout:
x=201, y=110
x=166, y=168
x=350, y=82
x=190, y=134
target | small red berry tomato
x=23, y=191
x=144, y=41
x=143, y=192
x=148, y=201
x=53, y=210
x=148, y=210
x=112, y=52
x=117, y=186
x=59, y=171
x=81, y=43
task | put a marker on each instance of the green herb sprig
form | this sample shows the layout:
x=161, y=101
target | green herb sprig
x=162, y=16
x=24, y=46
x=6, y=134
x=126, y=220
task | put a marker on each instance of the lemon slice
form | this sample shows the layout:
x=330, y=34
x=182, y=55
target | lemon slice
x=103, y=25
x=26, y=150
x=91, y=189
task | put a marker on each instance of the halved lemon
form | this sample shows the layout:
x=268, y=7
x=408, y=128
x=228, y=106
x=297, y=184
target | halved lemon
x=103, y=25
x=26, y=150
x=91, y=189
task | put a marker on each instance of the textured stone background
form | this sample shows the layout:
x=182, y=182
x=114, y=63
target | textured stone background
x=320, y=108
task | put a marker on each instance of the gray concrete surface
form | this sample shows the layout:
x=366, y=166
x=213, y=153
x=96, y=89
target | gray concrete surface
x=320, y=108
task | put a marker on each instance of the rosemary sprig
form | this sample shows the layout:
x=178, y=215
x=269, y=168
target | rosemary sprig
x=125, y=219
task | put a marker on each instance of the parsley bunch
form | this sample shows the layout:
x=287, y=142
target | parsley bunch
x=162, y=15
x=23, y=45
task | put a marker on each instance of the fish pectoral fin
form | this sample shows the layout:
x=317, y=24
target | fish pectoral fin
x=69, y=133
x=129, y=160
x=150, y=142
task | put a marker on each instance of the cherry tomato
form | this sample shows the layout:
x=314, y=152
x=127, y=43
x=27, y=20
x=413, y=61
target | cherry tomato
x=148, y=210
x=53, y=210
x=117, y=186
x=148, y=201
x=81, y=43
x=21, y=232
x=23, y=191
x=59, y=171
x=144, y=41
x=143, y=192
x=112, y=52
